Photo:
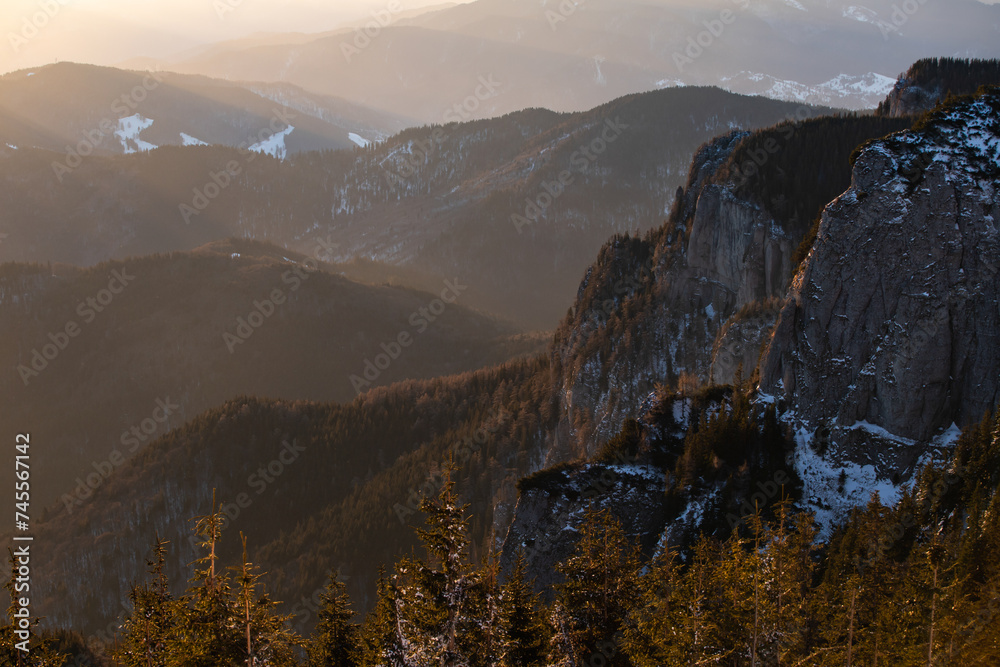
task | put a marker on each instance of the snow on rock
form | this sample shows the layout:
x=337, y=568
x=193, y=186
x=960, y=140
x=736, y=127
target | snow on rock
x=275, y=144
x=358, y=139
x=188, y=140
x=831, y=487
x=129, y=129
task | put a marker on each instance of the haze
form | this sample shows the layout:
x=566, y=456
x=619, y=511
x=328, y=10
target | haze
x=108, y=32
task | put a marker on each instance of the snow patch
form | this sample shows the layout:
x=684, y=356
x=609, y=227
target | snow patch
x=188, y=140
x=275, y=144
x=831, y=490
x=358, y=139
x=129, y=129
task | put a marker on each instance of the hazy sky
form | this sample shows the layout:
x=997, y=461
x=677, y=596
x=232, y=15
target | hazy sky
x=109, y=31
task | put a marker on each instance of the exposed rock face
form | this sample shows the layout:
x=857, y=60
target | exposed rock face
x=650, y=309
x=549, y=515
x=894, y=319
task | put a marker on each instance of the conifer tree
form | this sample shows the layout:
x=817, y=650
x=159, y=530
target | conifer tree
x=19, y=633
x=600, y=585
x=439, y=603
x=655, y=633
x=524, y=629
x=146, y=631
x=788, y=571
x=207, y=634
x=269, y=641
x=379, y=640
x=334, y=641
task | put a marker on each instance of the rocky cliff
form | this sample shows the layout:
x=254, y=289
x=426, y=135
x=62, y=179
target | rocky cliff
x=893, y=320
x=693, y=301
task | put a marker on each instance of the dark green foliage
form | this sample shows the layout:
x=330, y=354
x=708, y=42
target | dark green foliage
x=522, y=620
x=147, y=630
x=547, y=479
x=334, y=642
x=910, y=585
x=624, y=447
x=808, y=240
x=795, y=169
x=600, y=584
x=933, y=79
x=20, y=643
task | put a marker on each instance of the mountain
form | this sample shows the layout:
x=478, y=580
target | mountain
x=864, y=91
x=318, y=486
x=694, y=300
x=83, y=110
x=131, y=349
x=928, y=82
x=571, y=56
x=482, y=200
x=586, y=424
x=889, y=323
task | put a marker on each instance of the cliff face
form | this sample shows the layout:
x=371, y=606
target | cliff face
x=549, y=514
x=650, y=310
x=893, y=320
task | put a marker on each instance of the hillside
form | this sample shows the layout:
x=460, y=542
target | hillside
x=471, y=199
x=105, y=111
x=694, y=300
x=129, y=350
x=350, y=482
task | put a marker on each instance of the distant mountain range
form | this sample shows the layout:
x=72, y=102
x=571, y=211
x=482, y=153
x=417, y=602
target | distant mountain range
x=820, y=264
x=575, y=56
x=516, y=206
x=82, y=110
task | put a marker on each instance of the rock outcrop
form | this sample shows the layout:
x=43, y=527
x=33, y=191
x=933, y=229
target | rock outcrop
x=894, y=320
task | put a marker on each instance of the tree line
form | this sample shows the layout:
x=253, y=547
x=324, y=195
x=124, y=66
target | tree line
x=912, y=584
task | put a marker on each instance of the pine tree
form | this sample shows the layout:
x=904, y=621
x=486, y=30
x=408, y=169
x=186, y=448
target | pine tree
x=600, y=585
x=146, y=631
x=655, y=632
x=524, y=630
x=439, y=604
x=788, y=571
x=268, y=639
x=207, y=633
x=334, y=640
x=20, y=645
x=379, y=642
